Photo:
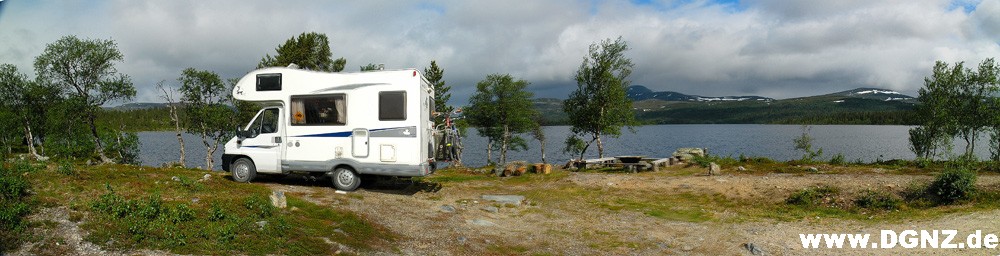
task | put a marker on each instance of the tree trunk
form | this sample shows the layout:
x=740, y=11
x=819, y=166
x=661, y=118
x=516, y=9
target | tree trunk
x=31, y=140
x=489, y=151
x=503, y=145
x=542, y=142
x=208, y=149
x=98, y=147
x=177, y=130
x=600, y=147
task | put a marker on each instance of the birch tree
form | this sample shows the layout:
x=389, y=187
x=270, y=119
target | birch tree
x=168, y=95
x=204, y=95
x=85, y=72
x=500, y=109
x=599, y=106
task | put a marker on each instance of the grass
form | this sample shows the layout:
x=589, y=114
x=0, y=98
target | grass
x=130, y=207
x=15, y=203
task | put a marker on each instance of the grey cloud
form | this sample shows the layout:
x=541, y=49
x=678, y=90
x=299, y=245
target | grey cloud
x=768, y=47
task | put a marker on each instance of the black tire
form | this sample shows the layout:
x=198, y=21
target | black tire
x=345, y=179
x=243, y=170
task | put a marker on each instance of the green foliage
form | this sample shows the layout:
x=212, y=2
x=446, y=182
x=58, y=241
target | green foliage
x=15, y=204
x=500, y=109
x=838, y=160
x=369, y=67
x=205, y=96
x=309, y=51
x=804, y=143
x=259, y=206
x=84, y=71
x=26, y=100
x=599, y=105
x=814, y=196
x=877, y=200
x=957, y=102
x=953, y=185
x=435, y=76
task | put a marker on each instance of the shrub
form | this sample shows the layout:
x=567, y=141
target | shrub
x=877, y=200
x=15, y=204
x=953, y=185
x=838, y=160
x=813, y=196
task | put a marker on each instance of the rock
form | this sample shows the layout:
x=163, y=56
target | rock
x=505, y=199
x=278, y=199
x=262, y=224
x=195, y=200
x=753, y=249
x=543, y=168
x=812, y=169
x=481, y=222
x=683, y=157
x=690, y=151
x=175, y=178
x=206, y=177
x=714, y=169
x=491, y=209
x=461, y=239
x=741, y=168
x=447, y=208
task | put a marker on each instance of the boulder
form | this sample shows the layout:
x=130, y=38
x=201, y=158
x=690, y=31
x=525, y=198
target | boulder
x=447, y=208
x=505, y=199
x=543, y=168
x=741, y=168
x=683, y=157
x=714, y=169
x=278, y=199
x=690, y=151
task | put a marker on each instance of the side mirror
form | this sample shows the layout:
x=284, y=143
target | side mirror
x=240, y=133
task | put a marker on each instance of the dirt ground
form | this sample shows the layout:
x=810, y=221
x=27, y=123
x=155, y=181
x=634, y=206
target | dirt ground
x=567, y=214
x=574, y=226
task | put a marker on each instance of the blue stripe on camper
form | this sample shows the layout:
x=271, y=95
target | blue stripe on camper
x=329, y=135
x=346, y=134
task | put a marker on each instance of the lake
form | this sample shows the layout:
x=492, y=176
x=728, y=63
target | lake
x=865, y=142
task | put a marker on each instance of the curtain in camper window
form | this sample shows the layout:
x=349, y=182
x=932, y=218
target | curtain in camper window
x=341, y=110
x=319, y=110
x=298, y=112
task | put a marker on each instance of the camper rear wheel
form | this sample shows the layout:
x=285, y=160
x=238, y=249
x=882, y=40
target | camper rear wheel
x=345, y=179
x=243, y=170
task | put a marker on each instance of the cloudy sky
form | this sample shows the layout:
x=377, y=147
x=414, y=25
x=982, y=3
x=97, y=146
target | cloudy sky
x=773, y=48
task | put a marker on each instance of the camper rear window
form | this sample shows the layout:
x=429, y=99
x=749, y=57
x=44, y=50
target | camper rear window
x=330, y=109
x=269, y=82
x=392, y=106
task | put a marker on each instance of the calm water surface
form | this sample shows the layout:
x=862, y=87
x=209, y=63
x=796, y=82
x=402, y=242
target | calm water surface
x=864, y=142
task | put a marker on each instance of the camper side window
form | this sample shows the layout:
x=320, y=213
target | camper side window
x=269, y=82
x=329, y=109
x=392, y=106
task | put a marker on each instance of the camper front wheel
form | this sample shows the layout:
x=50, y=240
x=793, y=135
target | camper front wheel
x=243, y=170
x=345, y=179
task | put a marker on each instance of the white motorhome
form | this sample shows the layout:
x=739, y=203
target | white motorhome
x=343, y=125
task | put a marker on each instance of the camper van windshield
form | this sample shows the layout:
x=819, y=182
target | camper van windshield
x=328, y=109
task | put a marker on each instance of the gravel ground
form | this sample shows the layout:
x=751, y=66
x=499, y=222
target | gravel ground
x=453, y=219
x=421, y=215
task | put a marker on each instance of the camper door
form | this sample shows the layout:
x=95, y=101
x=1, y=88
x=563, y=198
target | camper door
x=263, y=145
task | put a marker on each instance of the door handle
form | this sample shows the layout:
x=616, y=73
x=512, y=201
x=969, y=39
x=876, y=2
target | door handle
x=277, y=139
